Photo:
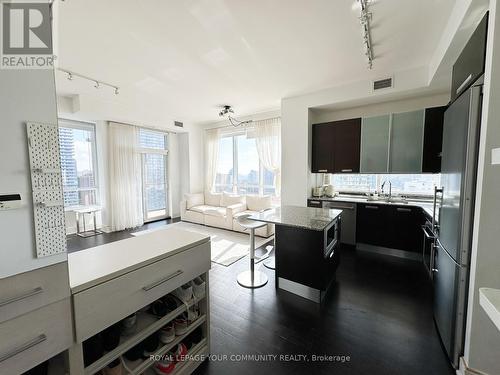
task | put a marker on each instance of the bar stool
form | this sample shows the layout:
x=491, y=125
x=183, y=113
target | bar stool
x=251, y=278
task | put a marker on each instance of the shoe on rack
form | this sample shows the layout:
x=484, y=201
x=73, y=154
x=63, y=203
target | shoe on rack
x=184, y=293
x=181, y=324
x=167, y=333
x=129, y=324
x=193, y=313
x=166, y=365
x=180, y=352
x=198, y=285
x=114, y=368
x=150, y=345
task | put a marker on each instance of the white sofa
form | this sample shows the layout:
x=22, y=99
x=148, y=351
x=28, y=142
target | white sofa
x=222, y=210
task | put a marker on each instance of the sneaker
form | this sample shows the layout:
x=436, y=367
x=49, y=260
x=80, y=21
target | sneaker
x=184, y=293
x=114, y=368
x=129, y=324
x=166, y=365
x=193, y=313
x=150, y=345
x=180, y=352
x=198, y=285
x=171, y=302
x=167, y=333
x=181, y=324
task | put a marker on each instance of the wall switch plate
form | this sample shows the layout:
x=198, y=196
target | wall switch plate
x=495, y=156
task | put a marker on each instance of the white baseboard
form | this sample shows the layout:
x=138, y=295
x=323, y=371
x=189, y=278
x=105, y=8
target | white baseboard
x=464, y=369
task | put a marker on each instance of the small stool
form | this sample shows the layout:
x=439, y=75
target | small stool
x=251, y=278
x=87, y=211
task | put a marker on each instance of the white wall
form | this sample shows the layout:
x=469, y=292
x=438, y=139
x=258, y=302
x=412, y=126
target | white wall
x=482, y=347
x=25, y=95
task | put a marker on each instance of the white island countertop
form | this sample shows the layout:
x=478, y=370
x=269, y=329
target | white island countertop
x=96, y=265
x=489, y=299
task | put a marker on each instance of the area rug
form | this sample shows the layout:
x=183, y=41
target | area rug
x=227, y=246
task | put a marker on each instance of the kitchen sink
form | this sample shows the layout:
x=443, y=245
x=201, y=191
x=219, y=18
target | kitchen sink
x=387, y=200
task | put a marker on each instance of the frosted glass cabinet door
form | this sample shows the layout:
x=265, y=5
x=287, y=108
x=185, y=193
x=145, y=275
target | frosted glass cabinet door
x=375, y=144
x=407, y=131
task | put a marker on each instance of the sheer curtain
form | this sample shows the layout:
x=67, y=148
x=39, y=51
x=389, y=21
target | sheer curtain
x=124, y=177
x=268, y=140
x=212, y=155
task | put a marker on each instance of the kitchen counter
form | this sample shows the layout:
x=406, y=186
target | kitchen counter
x=300, y=217
x=426, y=207
x=96, y=265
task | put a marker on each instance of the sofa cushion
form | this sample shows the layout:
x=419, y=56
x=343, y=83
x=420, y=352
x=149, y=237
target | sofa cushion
x=203, y=208
x=259, y=202
x=213, y=199
x=216, y=211
x=194, y=200
x=230, y=199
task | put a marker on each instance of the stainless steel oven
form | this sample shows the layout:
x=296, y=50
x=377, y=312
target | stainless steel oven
x=332, y=238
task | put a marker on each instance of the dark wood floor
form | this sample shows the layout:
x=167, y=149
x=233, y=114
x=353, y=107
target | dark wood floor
x=378, y=313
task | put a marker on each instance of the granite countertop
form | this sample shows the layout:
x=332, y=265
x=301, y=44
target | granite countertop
x=425, y=206
x=299, y=217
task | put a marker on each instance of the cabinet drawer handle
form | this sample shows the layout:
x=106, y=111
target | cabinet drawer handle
x=37, y=340
x=400, y=209
x=341, y=207
x=314, y=202
x=322, y=170
x=31, y=293
x=346, y=170
x=372, y=207
x=164, y=280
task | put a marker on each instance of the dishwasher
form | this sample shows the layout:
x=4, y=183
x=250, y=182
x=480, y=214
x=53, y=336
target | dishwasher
x=348, y=230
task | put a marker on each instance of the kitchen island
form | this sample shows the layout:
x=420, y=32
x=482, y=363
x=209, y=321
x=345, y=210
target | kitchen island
x=306, y=248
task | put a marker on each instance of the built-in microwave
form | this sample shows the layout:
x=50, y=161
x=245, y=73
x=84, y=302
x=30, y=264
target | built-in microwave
x=332, y=238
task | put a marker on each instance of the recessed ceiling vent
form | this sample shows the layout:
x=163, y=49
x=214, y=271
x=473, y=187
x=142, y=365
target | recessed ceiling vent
x=179, y=124
x=380, y=84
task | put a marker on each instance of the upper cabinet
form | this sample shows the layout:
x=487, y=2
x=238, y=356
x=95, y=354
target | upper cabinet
x=433, y=139
x=375, y=144
x=406, y=140
x=336, y=146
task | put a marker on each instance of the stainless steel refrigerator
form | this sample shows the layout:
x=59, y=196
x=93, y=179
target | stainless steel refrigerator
x=454, y=232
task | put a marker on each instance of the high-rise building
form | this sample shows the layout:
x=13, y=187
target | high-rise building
x=68, y=166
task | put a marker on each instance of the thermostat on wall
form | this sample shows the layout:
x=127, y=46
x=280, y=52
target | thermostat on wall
x=10, y=201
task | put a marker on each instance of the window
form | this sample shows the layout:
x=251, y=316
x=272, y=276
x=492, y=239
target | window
x=78, y=163
x=239, y=169
x=153, y=146
x=408, y=184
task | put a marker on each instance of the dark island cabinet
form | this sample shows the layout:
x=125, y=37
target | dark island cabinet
x=433, y=139
x=336, y=146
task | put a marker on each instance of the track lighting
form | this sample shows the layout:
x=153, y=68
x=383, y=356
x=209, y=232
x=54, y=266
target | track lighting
x=227, y=110
x=365, y=19
x=96, y=83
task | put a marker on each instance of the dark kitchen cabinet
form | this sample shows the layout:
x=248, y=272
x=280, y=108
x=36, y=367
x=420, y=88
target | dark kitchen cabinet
x=394, y=227
x=372, y=225
x=322, y=148
x=433, y=139
x=406, y=223
x=336, y=146
x=471, y=62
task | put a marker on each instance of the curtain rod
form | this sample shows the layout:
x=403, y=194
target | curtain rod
x=243, y=127
x=147, y=127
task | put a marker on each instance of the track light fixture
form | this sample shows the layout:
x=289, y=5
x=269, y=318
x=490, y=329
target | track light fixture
x=365, y=19
x=96, y=83
x=226, y=111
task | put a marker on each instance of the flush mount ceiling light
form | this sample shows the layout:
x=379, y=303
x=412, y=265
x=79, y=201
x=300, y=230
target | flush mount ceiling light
x=365, y=20
x=226, y=111
x=96, y=83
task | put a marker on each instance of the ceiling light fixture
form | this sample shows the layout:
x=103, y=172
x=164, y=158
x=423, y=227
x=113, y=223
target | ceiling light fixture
x=96, y=83
x=365, y=20
x=226, y=111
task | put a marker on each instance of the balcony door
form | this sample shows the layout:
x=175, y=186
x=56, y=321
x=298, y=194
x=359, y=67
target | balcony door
x=154, y=174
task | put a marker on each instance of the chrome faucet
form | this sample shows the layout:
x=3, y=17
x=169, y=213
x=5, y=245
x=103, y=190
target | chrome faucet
x=390, y=188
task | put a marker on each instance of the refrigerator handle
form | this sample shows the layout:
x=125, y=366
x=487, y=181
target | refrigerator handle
x=436, y=192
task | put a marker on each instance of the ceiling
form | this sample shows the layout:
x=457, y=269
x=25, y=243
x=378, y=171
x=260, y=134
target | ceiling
x=185, y=58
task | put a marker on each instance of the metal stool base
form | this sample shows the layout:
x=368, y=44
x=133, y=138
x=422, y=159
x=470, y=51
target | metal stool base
x=270, y=263
x=255, y=280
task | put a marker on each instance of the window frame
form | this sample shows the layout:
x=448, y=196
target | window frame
x=234, y=134
x=91, y=127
